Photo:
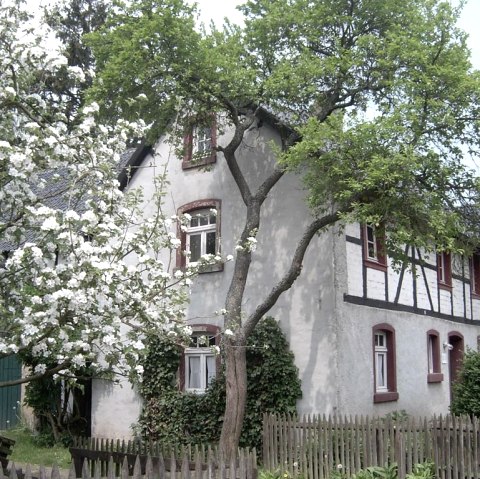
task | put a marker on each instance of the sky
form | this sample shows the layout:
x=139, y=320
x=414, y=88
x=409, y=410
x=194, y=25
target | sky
x=470, y=20
x=217, y=10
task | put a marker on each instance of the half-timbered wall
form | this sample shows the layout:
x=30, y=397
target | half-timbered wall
x=413, y=286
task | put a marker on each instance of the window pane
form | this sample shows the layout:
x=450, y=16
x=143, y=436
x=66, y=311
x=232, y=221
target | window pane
x=430, y=354
x=213, y=219
x=210, y=369
x=193, y=377
x=381, y=370
x=204, y=135
x=194, y=222
x=371, y=243
x=195, y=247
x=211, y=243
x=203, y=220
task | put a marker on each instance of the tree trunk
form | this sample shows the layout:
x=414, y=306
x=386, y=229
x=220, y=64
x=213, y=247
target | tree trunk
x=236, y=390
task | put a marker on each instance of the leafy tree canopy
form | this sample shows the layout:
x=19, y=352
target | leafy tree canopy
x=377, y=100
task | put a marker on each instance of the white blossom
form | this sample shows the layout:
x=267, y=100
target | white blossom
x=74, y=286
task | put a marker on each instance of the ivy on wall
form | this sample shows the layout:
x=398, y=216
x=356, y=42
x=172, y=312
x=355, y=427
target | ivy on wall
x=175, y=417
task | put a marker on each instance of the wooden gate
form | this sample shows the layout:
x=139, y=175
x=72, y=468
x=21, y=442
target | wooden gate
x=10, y=368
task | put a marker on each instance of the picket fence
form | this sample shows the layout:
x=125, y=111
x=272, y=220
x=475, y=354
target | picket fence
x=315, y=447
x=244, y=466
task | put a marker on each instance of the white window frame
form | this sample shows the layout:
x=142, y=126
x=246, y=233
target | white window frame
x=442, y=273
x=381, y=362
x=202, y=231
x=203, y=353
x=202, y=140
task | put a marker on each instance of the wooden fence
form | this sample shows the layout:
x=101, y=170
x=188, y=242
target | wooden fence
x=113, y=456
x=242, y=467
x=314, y=447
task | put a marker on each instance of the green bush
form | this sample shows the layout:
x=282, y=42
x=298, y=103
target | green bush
x=175, y=417
x=466, y=390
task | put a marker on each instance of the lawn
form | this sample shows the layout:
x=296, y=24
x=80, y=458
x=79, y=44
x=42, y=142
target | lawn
x=28, y=451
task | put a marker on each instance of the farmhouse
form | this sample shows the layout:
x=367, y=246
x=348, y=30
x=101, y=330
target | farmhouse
x=368, y=337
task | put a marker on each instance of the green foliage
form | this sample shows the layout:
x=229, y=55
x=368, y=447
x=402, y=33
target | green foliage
x=466, y=391
x=317, y=68
x=377, y=472
x=273, y=385
x=29, y=450
x=57, y=406
x=175, y=417
x=425, y=470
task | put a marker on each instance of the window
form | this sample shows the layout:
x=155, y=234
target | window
x=381, y=361
x=475, y=274
x=199, y=144
x=373, y=247
x=200, y=362
x=434, y=364
x=202, y=233
x=444, y=270
x=385, y=381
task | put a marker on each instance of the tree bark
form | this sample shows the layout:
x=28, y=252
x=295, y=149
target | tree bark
x=236, y=394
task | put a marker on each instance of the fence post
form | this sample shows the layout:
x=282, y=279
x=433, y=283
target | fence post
x=400, y=454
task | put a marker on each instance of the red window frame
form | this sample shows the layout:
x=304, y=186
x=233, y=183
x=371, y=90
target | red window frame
x=190, y=158
x=435, y=374
x=475, y=275
x=391, y=394
x=374, y=240
x=444, y=270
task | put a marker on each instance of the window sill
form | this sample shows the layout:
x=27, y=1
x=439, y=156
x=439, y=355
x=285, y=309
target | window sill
x=375, y=265
x=435, y=377
x=445, y=286
x=214, y=268
x=188, y=164
x=385, y=397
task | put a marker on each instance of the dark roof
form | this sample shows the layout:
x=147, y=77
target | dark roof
x=54, y=193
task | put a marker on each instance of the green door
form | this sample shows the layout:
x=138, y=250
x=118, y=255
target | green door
x=10, y=368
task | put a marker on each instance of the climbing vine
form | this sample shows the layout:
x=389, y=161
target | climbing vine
x=175, y=417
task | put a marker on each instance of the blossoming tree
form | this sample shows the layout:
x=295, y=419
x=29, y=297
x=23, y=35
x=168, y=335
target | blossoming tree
x=83, y=275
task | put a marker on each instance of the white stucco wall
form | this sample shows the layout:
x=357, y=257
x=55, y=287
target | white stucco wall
x=330, y=337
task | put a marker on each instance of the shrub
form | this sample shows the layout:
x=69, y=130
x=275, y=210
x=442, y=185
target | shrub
x=466, y=391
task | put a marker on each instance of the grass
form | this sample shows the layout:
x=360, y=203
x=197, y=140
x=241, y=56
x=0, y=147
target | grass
x=27, y=450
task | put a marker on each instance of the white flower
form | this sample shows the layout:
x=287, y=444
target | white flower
x=229, y=257
x=40, y=368
x=228, y=332
x=50, y=224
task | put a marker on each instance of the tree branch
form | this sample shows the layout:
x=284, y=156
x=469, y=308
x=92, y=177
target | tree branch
x=229, y=153
x=35, y=377
x=292, y=273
